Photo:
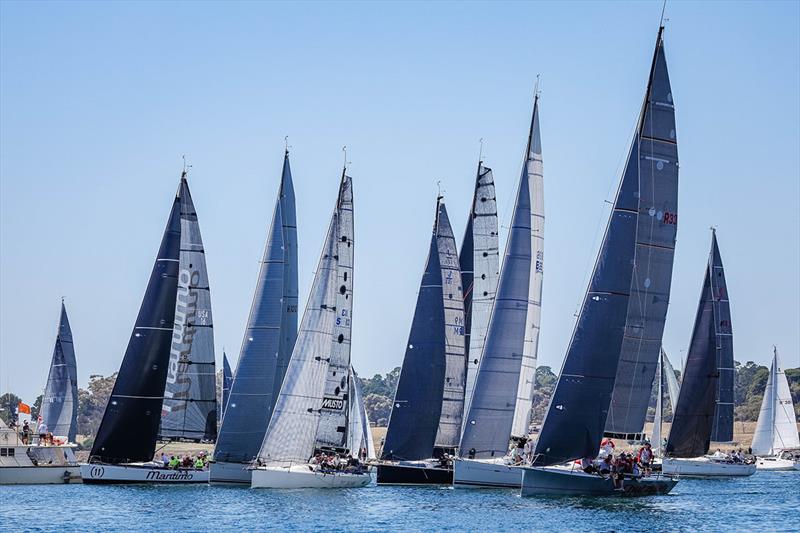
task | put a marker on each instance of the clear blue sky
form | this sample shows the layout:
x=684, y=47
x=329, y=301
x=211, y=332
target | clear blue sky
x=98, y=101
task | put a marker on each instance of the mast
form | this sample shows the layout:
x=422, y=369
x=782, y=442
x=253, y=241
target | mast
x=60, y=401
x=271, y=329
x=129, y=427
x=417, y=405
x=656, y=233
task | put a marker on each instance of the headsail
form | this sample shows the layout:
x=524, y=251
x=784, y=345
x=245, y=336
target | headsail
x=579, y=406
x=527, y=375
x=130, y=423
x=60, y=401
x=307, y=412
x=480, y=267
x=189, y=411
x=655, y=248
x=227, y=380
x=360, y=435
x=693, y=418
x=417, y=406
x=269, y=337
x=449, y=431
x=776, y=429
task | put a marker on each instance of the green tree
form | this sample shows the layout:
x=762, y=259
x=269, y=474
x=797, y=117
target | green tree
x=8, y=406
x=36, y=408
x=92, y=403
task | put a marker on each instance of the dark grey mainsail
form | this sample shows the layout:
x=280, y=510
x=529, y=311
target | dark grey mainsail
x=269, y=337
x=722, y=431
x=655, y=246
x=227, y=380
x=190, y=398
x=60, y=401
x=130, y=423
x=693, y=421
x=479, y=260
x=414, y=421
x=576, y=416
x=452, y=413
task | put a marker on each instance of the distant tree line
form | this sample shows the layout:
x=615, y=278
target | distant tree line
x=751, y=380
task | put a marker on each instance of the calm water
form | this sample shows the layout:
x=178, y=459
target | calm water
x=764, y=502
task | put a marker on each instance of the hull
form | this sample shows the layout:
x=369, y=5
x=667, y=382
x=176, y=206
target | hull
x=776, y=464
x=413, y=474
x=39, y=475
x=303, y=477
x=230, y=474
x=704, y=467
x=139, y=473
x=469, y=473
x=555, y=481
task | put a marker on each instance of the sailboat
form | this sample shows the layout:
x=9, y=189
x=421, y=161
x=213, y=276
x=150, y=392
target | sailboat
x=500, y=408
x=171, y=315
x=576, y=417
x=775, y=443
x=360, y=434
x=59, y=409
x=227, y=379
x=312, y=408
x=425, y=422
x=664, y=372
x=37, y=462
x=268, y=342
x=695, y=413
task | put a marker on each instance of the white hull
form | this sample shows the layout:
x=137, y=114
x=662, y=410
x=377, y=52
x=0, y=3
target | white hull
x=231, y=473
x=705, y=467
x=140, y=473
x=39, y=475
x=776, y=464
x=472, y=473
x=303, y=477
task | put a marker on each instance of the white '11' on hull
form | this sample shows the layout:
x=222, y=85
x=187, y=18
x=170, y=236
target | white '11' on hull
x=97, y=473
x=475, y=473
x=705, y=467
x=303, y=476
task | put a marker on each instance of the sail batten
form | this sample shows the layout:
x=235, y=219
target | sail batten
x=60, y=400
x=269, y=337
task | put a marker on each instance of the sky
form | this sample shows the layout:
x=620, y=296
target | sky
x=100, y=101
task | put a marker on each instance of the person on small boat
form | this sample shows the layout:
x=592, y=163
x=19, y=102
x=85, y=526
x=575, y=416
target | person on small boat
x=518, y=453
x=26, y=432
x=719, y=455
x=645, y=458
x=199, y=464
x=164, y=459
x=174, y=463
x=606, y=465
x=617, y=473
x=528, y=450
x=587, y=465
x=43, y=432
x=606, y=448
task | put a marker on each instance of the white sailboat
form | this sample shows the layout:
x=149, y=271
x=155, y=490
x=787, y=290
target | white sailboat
x=776, y=444
x=34, y=462
x=311, y=412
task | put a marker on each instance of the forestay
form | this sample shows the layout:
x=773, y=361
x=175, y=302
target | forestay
x=480, y=267
x=60, y=401
x=297, y=427
x=189, y=411
x=417, y=405
x=450, y=419
x=269, y=337
x=693, y=418
x=130, y=423
x=776, y=429
x=656, y=231
x=578, y=410
x=527, y=375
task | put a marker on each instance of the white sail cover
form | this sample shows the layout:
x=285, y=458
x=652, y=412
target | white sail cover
x=449, y=431
x=189, y=410
x=776, y=429
x=480, y=277
x=292, y=433
x=527, y=375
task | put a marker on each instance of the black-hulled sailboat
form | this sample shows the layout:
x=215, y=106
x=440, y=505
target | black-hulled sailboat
x=126, y=440
x=266, y=348
x=700, y=403
x=498, y=414
x=313, y=408
x=578, y=410
x=425, y=423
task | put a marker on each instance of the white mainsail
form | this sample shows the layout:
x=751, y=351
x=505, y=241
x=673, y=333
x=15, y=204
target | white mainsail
x=527, y=375
x=664, y=371
x=307, y=409
x=776, y=429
